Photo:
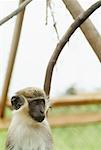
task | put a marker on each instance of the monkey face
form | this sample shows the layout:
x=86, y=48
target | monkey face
x=37, y=109
x=36, y=106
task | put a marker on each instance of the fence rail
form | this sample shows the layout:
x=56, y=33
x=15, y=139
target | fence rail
x=69, y=119
x=77, y=100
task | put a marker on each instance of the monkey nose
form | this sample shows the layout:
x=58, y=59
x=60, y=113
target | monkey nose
x=42, y=111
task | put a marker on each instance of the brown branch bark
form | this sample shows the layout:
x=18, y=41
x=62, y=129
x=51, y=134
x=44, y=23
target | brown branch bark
x=15, y=12
x=88, y=29
x=12, y=56
x=80, y=19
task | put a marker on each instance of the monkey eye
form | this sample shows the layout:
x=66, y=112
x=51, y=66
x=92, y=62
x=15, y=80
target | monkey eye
x=40, y=101
x=17, y=102
x=37, y=101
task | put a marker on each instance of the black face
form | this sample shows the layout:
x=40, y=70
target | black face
x=37, y=109
x=17, y=102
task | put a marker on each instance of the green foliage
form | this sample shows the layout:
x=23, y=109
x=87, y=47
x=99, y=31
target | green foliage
x=72, y=90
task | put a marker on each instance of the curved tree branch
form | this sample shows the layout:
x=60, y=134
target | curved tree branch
x=15, y=12
x=79, y=20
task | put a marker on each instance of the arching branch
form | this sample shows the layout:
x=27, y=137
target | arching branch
x=80, y=19
x=15, y=12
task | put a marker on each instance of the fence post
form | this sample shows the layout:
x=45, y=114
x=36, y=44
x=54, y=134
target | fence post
x=12, y=56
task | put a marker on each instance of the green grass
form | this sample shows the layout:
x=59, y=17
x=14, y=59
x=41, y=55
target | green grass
x=2, y=139
x=78, y=137
x=87, y=137
x=75, y=137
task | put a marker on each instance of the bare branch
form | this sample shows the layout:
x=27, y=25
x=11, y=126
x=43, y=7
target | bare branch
x=54, y=22
x=47, y=4
x=80, y=19
x=15, y=12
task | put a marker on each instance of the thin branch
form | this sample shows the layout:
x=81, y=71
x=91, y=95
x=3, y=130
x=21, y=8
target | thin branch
x=54, y=22
x=80, y=19
x=47, y=4
x=15, y=12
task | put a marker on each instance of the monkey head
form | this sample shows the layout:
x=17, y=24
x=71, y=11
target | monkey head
x=32, y=101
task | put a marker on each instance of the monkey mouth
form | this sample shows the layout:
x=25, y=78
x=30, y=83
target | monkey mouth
x=38, y=118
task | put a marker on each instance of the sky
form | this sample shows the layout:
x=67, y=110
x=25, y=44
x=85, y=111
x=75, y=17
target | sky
x=77, y=64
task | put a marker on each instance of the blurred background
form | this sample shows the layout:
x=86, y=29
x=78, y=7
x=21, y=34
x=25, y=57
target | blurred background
x=77, y=71
x=77, y=64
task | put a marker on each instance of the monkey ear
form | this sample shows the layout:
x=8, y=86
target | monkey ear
x=13, y=98
x=17, y=102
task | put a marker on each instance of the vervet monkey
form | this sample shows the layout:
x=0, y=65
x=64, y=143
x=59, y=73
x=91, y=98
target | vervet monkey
x=29, y=129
